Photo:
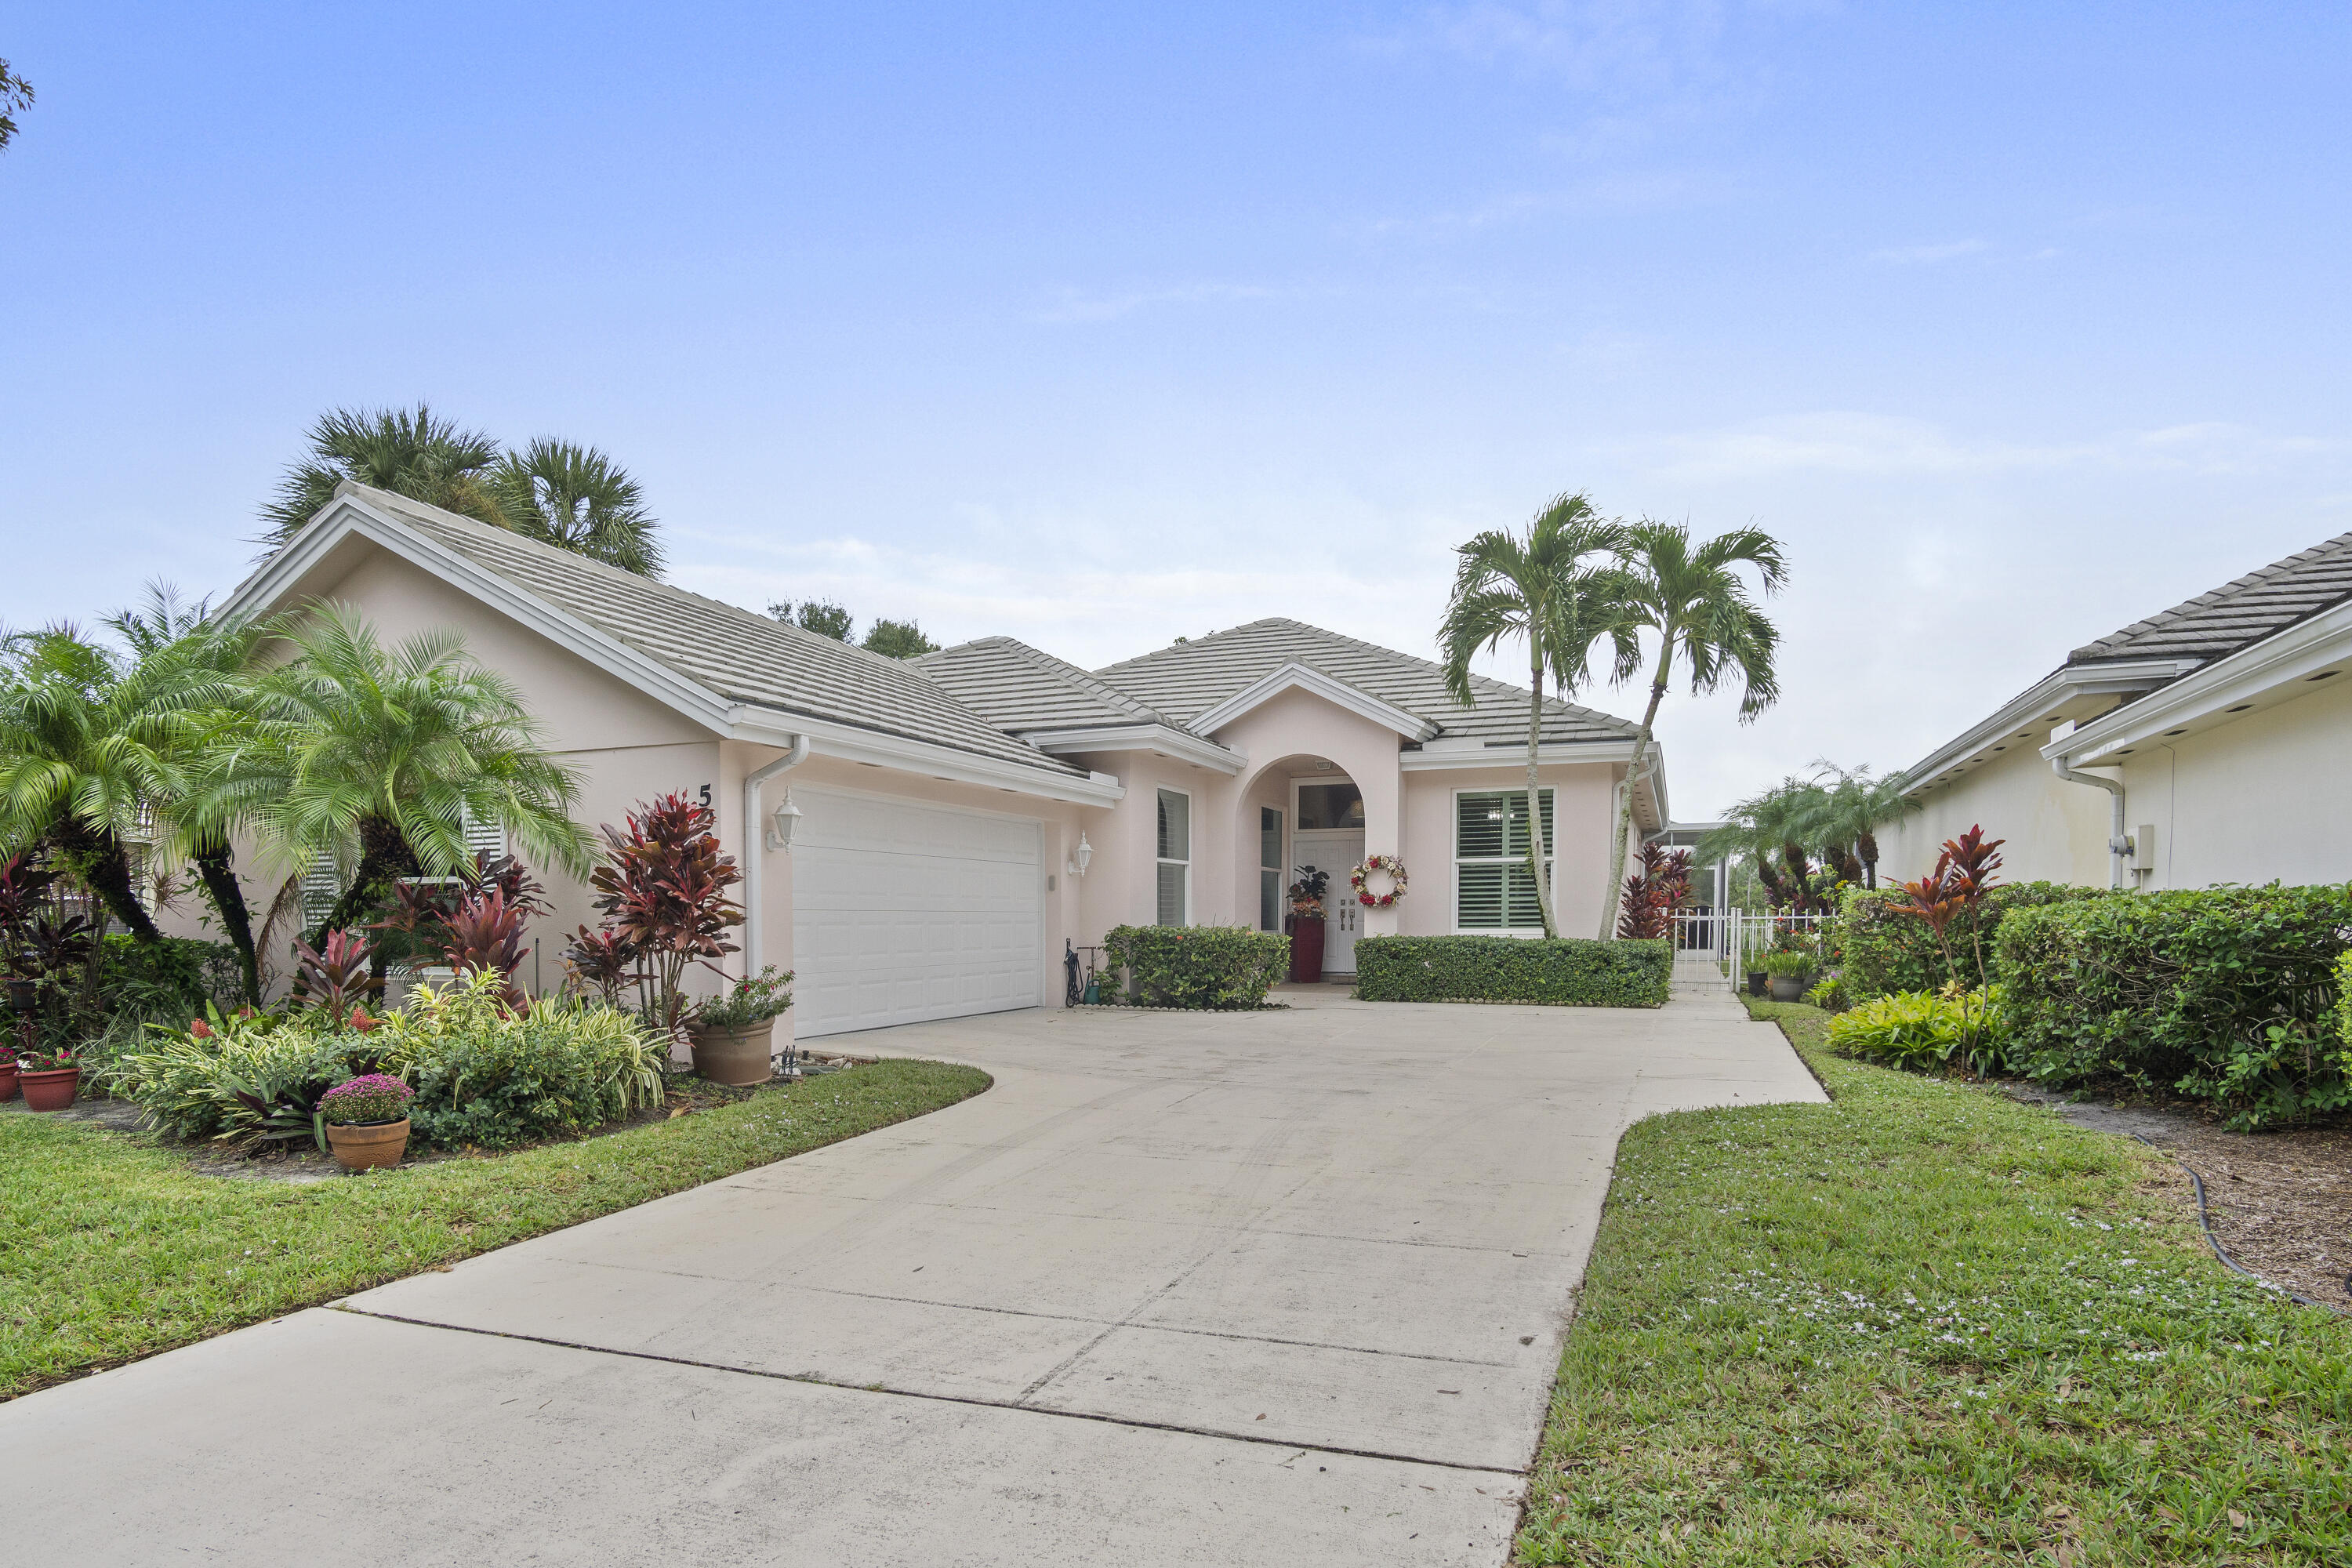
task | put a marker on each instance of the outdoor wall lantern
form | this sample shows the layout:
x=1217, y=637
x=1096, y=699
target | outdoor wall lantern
x=1086, y=852
x=782, y=824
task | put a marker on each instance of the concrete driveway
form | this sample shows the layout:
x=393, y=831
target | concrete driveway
x=1283, y=1288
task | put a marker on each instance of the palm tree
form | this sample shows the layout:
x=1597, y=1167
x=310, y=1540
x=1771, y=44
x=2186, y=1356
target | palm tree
x=578, y=499
x=414, y=453
x=1856, y=806
x=379, y=758
x=1694, y=597
x=92, y=742
x=1538, y=587
x=213, y=653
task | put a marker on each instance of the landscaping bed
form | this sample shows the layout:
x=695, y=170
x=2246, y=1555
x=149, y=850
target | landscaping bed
x=1926, y=1323
x=113, y=1248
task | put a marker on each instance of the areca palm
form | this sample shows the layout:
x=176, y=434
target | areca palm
x=1856, y=806
x=411, y=452
x=1694, y=597
x=92, y=742
x=379, y=758
x=578, y=499
x=1539, y=587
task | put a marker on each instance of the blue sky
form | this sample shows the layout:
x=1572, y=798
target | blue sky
x=1100, y=324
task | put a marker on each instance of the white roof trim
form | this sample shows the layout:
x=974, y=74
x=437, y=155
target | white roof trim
x=2284, y=658
x=2028, y=707
x=1412, y=726
x=1159, y=738
x=1474, y=755
x=276, y=581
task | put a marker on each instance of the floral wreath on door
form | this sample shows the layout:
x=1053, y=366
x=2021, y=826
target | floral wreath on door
x=1377, y=863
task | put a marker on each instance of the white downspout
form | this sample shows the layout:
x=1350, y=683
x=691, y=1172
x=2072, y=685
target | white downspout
x=755, y=847
x=2117, y=845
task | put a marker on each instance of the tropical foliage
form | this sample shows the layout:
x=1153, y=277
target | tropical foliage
x=1554, y=589
x=662, y=891
x=1653, y=893
x=559, y=492
x=15, y=97
x=1806, y=839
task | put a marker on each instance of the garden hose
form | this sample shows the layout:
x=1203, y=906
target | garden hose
x=2205, y=1224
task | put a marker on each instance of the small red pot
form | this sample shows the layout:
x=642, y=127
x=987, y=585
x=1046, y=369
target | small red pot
x=49, y=1090
x=8, y=1079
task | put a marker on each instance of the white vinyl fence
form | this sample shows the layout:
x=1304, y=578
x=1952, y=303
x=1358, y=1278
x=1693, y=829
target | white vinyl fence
x=1718, y=947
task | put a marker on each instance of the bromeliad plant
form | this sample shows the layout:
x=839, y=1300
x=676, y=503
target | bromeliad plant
x=662, y=891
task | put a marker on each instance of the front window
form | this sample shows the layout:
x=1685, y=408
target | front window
x=1175, y=857
x=1494, y=889
x=1269, y=868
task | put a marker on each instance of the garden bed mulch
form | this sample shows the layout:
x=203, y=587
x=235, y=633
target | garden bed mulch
x=2280, y=1203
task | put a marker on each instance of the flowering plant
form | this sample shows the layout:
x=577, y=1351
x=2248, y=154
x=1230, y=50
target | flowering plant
x=364, y=1101
x=1373, y=864
x=46, y=1058
x=750, y=1001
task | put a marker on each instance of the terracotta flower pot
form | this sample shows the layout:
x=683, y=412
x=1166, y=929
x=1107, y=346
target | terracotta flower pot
x=741, y=1056
x=8, y=1079
x=364, y=1148
x=52, y=1090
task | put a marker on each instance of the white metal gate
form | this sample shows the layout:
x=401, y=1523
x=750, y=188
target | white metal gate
x=1718, y=947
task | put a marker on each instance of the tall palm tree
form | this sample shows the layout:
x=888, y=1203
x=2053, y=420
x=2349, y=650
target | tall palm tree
x=578, y=499
x=411, y=452
x=1538, y=587
x=1693, y=598
x=91, y=742
x=379, y=758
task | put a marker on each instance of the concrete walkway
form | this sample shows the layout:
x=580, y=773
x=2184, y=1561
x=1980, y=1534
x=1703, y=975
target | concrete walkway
x=1283, y=1288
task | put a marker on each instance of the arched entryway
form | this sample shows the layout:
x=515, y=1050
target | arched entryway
x=1301, y=814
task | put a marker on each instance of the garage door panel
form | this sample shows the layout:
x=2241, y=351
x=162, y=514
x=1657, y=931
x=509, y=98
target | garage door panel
x=904, y=912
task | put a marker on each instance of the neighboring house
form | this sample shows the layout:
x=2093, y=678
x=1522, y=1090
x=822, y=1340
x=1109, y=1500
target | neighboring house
x=2209, y=743
x=961, y=816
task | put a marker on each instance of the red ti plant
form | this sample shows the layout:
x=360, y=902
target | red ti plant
x=663, y=892
x=334, y=981
x=484, y=936
x=1654, y=892
x=604, y=959
x=1964, y=873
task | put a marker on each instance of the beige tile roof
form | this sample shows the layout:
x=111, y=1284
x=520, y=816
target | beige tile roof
x=1188, y=678
x=1018, y=686
x=740, y=655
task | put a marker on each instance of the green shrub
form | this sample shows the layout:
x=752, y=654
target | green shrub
x=1200, y=967
x=1916, y=1029
x=1884, y=954
x=2344, y=1012
x=172, y=978
x=491, y=1079
x=1830, y=995
x=2227, y=995
x=239, y=1078
x=1572, y=972
x=1790, y=965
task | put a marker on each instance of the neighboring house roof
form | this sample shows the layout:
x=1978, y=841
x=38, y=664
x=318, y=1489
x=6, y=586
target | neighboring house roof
x=739, y=654
x=2128, y=667
x=1190, y=679
x=2237, y=613
x=1020, y=689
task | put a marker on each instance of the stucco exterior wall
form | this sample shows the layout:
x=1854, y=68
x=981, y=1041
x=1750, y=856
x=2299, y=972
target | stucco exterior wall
x=2267, y=796
x=1583, y=795
x=2055, y=831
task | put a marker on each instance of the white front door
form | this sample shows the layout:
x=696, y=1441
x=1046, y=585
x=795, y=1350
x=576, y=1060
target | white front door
x=904, y=911
x=1337, y=851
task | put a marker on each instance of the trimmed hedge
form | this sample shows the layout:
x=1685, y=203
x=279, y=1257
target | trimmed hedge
x=2227, y=995
x=1884, y=954
x=1571, y=971
x=1212, y=967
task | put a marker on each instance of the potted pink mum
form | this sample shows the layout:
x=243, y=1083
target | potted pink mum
x=367, y=1121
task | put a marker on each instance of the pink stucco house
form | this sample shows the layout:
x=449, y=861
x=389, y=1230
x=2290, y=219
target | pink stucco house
x=955, y=820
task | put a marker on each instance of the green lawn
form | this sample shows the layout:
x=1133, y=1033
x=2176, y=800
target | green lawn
x=110, y=1248
x=1925, y=1324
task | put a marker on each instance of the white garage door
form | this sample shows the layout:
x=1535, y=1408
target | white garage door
x=903, y=912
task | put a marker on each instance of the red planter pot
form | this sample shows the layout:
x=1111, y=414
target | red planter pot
x=1307, y=949
x=8, y=1079
x=49, y=1090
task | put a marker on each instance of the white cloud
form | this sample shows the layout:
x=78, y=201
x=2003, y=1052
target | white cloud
x=1928, y=254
